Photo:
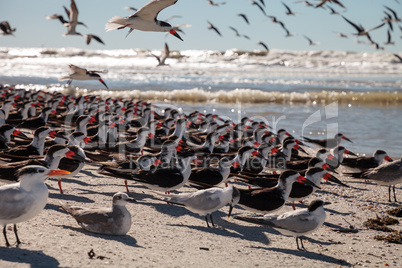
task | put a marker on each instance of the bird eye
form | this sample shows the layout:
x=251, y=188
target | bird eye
x=118, y=197
x=41, y=171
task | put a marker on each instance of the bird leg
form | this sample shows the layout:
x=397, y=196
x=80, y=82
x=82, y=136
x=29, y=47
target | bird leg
x=294, y=207
x=389, y=194
x=69, y=81
x=393, y=189
x=301, y=242
x=16, y=235
x=125, y=183
x=210, y=217
x=122, y=27
x=206, y=219
x=59, y=183
x=5, y=236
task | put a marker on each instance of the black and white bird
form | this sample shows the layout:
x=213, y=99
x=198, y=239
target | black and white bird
x=25, y=199
x=145, y=19
x=78, y=73
x=162, y=58
x=361, y=31
x=212, y=27
x=109, y=221
x=294, y=223
x=6, y=28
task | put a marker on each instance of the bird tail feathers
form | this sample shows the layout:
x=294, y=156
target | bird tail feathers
x=255, y=220
x=115, y=23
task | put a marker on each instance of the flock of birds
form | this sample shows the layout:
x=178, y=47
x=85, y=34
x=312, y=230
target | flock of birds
x=165, y=150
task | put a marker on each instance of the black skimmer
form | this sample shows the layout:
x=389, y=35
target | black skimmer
x=341, y=35
x=388, y=174
x=215, y=4
x=212, y=175
x=212, y=27
x=288, y=10
x=398, y=57
x=333, y=11
x=389, y=41
x=38, y=121
x=74, y=162
x=331, y=1
x=78, y=73
x=145, y=19
x=163, y=57
x=361, y=31
x=364, y=163
x=160, y=179
x=6, y=29
x=310, y=42
x=396, y=18
x=263, y=45
x=244, y=17
x=8, y=171
x=338, y=153
x=265, y=200
x=254, y=3
x=25, y=199
x=109, y=221
x=5, y=135
x=204, y=202
x=294, y=223
x=328, y=143
x=36, y=147
x=301, y=191
x=89, y=37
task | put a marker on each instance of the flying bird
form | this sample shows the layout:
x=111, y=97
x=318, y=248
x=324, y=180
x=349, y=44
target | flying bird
x=163, y=57
x=244, y=17
x=310, y=42
x=73, y=20
x=389, y=41
x=235, y=30
x=331, y=1
x=78, y=73
x=212, y=27
x=6, y=29
x=289, y=11
x=361, y=31
x=398, y=57
x=259, y=6
x=263, y=45
x=145, y=19
x=212, y=3
x=89, y=37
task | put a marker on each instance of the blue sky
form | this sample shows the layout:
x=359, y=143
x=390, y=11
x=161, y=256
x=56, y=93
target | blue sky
x=33, y=30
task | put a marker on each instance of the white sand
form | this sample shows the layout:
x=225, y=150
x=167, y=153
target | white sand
x=170, y=236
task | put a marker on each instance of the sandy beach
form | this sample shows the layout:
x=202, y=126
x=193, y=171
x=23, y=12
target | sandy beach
x=165, y=235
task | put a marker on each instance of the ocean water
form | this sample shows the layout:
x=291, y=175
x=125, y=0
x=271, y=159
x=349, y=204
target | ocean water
x=315, y=94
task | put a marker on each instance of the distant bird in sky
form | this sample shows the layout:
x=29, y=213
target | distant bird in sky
x=161, y=59
x=73, y=19
x=398, y=57
x=396, y=18
x=259, y=6
x=289, y=11
x=6, y=29
x=235, y=30
x=212, y=3
x=310, y=42
x=361, y=31
x=212, y=27
x=173, y=17
x=331, y=1
x=341, y=35
x=306, y=2
x=145, y=19
x=333, y=11
x=131, y=8
x=58, y=17
x=89, y=37
x=78, y=73
x=263, y=45
x=244, y=17
x=288, y=34
x=389, y=41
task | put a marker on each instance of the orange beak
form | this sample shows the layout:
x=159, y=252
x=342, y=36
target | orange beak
x=70, y=154
x=86, y=140
x=57, y=172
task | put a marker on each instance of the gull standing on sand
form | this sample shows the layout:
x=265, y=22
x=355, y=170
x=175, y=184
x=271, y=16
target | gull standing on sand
x=204, y=202
x=25, y=199
x=294, y=223
x=110, y=221
x=145, y=19
x=78, y=73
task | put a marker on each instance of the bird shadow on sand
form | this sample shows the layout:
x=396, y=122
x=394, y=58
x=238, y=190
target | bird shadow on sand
x=19, y=256
x=91, y=174
x=311, y=255
x=124, y=239
x=67, y=197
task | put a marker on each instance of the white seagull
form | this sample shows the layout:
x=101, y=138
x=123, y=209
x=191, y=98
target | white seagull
x=110, y=221
x=145, y=19
x=204, y=202
x=294, y=223
x=25, y=199
x=78, y=73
